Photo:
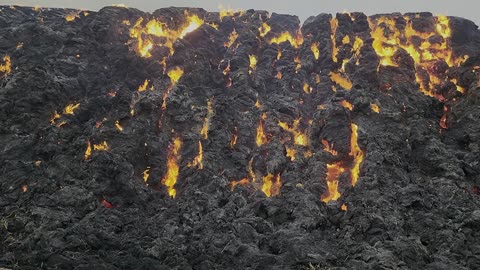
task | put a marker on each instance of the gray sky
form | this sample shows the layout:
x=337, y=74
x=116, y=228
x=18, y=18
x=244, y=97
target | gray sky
x=469, y=9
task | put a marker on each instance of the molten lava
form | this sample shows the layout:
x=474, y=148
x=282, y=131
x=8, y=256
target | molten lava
x=173, y=169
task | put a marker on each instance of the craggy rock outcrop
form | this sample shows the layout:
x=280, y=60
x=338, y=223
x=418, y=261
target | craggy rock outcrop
x=186, y=139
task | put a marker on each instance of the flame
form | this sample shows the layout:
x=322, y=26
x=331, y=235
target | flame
x=279, y=75
x=346, y=105
x=333, y=27
x=229, y=12
x=227, y=69
x=388, y=38
x=243, y=182
x=253, y=63
x=231, y=39
x=291, y=152
x=333, y=174
x=144, y=86
x=443, y=120
x=261, y=137
x=6, y=68
x=206, y=121
x=146, y=174
x=155, y=28
x=54, y=117
x=72, y=16
x=296, y=41
x=175, y=74
x=264, y=29
x=315, y=50
x=374, y=107
x=346, y=40
x=198, y=160
x=24, y=188
x=173, y=169
x=250, y=170
x=307, y=88
x=118, y=126
x=357, y=46
x=298, y=63
x=279, y=54
x=258, y=105
x=88, y=151
x=101, y=146
x=300, y=138
x=356, y=153
x=339, y=79
x=344, y=207
x=70, y=109
x=329, y=147
x=234, y=138
x=459, y=88
x=271, y=185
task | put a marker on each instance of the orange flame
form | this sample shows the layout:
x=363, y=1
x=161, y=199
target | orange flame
x=146, y=174
x=88, y=151
x=206, y=121
x=374, y=107
x=346, y=105
x=264, y=29
x=253, y=63
x=198, y=160
x=333, y=27
x=155, y=28
x=443, y=120
x=243, y=182
x=307, y=88
x=231, y=39
x=271, y=185
x=261, y=137
x=356, y=153
x=339, y=79
x=315, y=50
x=296, y=41
x=70, y=109
x=118, y=126
x=6, y=68
x=291, y=152
x=173, y=169
x=234, y=138
x=300, y=138
x=333, y=174
x=329, y=147
x=144, y=86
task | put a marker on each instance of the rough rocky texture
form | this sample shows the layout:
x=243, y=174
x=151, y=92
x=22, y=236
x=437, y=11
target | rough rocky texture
x=415, y=206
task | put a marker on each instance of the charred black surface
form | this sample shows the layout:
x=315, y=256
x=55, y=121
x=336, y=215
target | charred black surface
x=415, y=205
